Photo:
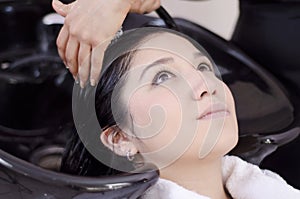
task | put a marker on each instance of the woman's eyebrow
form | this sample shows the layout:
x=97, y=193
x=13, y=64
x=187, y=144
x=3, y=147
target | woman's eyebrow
x=198, y=54
x=163, y=60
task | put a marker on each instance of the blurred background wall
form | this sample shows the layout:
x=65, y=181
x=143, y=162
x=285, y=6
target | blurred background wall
x=219, y=16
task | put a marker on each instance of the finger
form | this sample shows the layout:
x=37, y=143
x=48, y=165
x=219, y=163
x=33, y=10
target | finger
x=156, y=5
x=84, y=70
x=71, y=55
x=96, y=62
x=84, y=56
x=62, y=9
x=61, y=42
x=135, y=7
x=148, y=6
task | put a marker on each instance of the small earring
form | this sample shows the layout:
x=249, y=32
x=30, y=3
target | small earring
x=129, y=156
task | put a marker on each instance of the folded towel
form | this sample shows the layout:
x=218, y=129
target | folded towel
x=243, y=180
x=247, y=181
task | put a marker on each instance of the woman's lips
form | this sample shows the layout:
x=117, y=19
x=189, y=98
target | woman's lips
x=214, y=111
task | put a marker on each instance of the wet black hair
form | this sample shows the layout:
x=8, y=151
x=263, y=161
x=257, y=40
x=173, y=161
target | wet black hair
x=76, y=159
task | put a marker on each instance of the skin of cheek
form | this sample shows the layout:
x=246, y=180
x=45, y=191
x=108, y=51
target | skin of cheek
x=229, y=137
x=156, y=116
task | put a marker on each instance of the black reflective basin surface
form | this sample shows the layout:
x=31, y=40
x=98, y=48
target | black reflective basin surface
x=20, y=179
x=36, y=114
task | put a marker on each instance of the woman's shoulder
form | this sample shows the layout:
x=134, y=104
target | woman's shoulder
x=245, y=180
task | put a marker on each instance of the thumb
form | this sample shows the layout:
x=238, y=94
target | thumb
x=60, y=8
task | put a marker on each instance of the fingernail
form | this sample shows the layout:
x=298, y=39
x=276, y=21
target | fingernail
x=67, y=66
x=56, y=1
x=81, y=84
x=76, y=79
x=93, y=82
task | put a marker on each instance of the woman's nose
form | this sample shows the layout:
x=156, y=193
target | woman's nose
x=203, y=85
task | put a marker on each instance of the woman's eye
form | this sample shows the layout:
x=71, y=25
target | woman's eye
x=204, y=67
x=161, y=77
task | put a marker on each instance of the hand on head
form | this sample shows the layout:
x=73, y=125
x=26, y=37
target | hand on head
x=89, y=28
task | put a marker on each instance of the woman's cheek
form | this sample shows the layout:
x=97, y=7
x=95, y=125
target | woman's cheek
x=156, y=117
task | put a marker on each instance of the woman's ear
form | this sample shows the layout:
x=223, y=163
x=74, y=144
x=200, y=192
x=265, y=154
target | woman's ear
x=117, y=141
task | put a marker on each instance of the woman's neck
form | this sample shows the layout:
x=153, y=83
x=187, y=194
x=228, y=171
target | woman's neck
x=202, y=176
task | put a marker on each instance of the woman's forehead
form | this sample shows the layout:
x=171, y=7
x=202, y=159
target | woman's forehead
x=169, y=42
x=166, y=44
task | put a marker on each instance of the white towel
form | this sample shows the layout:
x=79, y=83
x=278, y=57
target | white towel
x=243, y=180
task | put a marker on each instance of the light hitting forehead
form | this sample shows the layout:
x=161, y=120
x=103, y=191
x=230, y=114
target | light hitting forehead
x=174, y=44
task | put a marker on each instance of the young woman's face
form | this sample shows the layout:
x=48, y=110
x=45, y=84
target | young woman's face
x=177, y=107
